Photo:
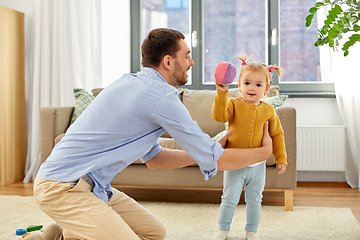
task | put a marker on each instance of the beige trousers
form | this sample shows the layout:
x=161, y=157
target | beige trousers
x=83, y=216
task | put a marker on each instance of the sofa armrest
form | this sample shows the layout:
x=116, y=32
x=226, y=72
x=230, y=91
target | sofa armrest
x=287, y=116
x=53, y=121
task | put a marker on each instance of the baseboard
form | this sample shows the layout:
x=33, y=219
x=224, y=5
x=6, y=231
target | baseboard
x=200, y=195
x=316, y=176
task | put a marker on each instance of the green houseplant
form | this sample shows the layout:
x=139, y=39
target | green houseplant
x=343, y=17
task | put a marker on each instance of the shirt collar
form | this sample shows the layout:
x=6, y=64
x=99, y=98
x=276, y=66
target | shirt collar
x=153, y=72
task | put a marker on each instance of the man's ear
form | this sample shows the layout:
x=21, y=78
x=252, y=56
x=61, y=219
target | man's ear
x=167, y=63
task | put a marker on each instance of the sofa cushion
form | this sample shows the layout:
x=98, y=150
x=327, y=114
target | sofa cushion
x=199, y=103
x=96, y=91
x=59, y=137
x=276, y=101
x=82, y=101
x=169, y=143
x=273, y=91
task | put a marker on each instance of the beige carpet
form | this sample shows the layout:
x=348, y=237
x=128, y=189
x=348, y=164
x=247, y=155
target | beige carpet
x=199, y=221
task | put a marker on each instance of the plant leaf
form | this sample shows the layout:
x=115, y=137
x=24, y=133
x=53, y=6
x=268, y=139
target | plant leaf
x=337, y=9
x=337, y=23
x=356, y=27
x=355, y=37
x=313, y=10
x=309, y=19
x=331, y=18
x=319, y=4
x=327, y=22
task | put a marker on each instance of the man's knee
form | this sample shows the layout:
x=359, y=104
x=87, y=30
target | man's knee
x=160, y=233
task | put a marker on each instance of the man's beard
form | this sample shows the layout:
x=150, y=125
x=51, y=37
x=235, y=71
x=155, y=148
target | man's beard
x=179, y=75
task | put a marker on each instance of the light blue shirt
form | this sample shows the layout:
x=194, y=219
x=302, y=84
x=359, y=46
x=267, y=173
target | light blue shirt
x=123, y=124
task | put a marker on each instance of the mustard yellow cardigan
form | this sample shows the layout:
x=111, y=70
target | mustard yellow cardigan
x=247, y=121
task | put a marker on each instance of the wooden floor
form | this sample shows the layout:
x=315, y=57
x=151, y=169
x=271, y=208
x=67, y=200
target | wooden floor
x=306, y=194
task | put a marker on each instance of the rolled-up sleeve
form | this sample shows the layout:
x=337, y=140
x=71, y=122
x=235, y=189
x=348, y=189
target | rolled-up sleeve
x=218, y=151
x=155, y=150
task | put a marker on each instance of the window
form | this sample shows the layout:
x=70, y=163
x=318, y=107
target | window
x=295, y=51
x=230, y=29
x=150, y=14
x=270, y=31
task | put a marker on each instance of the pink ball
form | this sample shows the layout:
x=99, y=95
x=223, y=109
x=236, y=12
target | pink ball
x=225, y=73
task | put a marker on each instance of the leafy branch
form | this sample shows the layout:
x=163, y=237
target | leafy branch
x=343, y=17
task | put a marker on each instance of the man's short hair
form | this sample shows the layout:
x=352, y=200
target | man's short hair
x=159, y=43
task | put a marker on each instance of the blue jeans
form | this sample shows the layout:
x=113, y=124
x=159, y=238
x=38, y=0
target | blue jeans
x=254, y=179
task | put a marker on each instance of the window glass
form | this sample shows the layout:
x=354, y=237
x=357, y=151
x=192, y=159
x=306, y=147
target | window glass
x=298, y=55
x=177, y=4
x=231, y=28
x=166, y=14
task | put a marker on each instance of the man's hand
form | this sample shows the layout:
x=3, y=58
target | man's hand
x=236, y=158
x=267, y=140
x=223, y=139
x=282, y=167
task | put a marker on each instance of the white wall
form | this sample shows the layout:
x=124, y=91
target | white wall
x=115, y=28
x=316, y=111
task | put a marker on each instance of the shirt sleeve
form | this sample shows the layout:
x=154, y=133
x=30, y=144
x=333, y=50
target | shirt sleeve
x=173, y=117
x=155, y=150
x=221, y=112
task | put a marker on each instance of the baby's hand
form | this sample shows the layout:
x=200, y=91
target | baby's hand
x=221, y=87
x=282, y=167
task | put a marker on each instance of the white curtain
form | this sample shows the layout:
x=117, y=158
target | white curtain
x=347, y=84
x=65, y=53
x=343, y=71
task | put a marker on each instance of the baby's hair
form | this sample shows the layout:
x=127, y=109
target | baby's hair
x=249, y=65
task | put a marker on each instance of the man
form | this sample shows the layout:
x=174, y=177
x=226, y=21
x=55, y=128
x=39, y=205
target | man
x=121, y=125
